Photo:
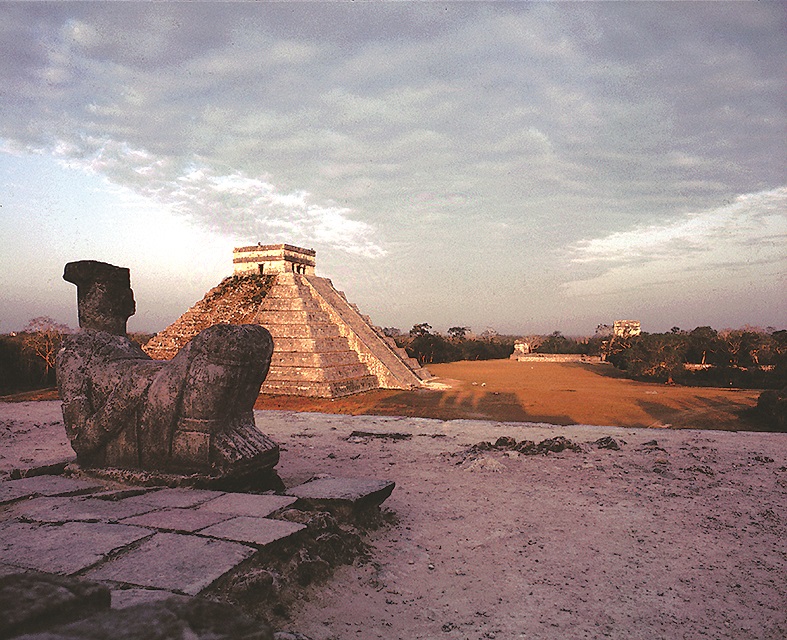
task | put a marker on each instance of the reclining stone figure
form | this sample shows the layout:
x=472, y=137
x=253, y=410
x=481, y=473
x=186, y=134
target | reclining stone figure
x=190, y=415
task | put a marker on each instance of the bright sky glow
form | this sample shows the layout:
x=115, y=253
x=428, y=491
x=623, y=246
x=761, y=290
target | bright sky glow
x=525, y=167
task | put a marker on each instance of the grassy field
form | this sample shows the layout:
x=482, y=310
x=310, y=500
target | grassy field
x=558, y=393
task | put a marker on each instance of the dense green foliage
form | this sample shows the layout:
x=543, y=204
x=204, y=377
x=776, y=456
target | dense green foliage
x=558, y=343
x=20, y=368
x=27, y=358
x=431, y=348
x=741, y=358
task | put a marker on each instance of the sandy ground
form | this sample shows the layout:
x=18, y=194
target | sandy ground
x=684, y=538
x=557, y=393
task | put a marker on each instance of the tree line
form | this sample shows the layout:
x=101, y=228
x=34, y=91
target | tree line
x=748, y=357
x=27, y=357
x=430, y=347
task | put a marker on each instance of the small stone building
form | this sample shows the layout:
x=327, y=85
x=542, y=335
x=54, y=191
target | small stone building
x=626, y=328
x=323, y=345
x=273, y=258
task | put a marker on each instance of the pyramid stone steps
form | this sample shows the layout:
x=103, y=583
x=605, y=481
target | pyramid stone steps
x=301, y=359
x=300, y=317
x=309, y=345
x=291, y=304
x=381, y=359
x=311, y=356
x=321, y=389
x=303, y=331
x=317, y=374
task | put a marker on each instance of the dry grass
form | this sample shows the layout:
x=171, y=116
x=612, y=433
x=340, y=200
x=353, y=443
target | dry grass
x=557, y=393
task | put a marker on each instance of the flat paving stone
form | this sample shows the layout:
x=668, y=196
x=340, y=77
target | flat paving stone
x=77, y=510
x=174, y=562
x=349, y=491
x=247, y=504
x=174, y=498
x=65, y=548
x=257, y=531
x=187, y=520
x=44, y=486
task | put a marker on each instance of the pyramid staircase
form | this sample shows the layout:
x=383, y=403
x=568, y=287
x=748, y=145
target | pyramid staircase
x=390, y=363
x=323, y=346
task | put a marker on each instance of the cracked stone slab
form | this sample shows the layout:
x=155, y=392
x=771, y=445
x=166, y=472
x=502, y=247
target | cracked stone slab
x=185, y=520
x=174, y=498
x=65, y=548
x=350, y=492
x=77, y=510
x=174, y=562
x=257, y=531
x=247, y=504
x=44, y=486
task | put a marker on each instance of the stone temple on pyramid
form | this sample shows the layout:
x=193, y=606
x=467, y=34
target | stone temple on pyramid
x=323, y=345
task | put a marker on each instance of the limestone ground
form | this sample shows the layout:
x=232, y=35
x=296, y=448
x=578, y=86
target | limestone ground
x=678, y=538
x=681, y=538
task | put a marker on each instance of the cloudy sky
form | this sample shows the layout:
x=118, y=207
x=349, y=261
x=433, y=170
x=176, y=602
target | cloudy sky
x=516, y=166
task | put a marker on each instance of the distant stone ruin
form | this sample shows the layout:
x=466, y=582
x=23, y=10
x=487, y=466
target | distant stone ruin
x=323, y=345
x=521, y=348
x=626, y=328
x=192, y=415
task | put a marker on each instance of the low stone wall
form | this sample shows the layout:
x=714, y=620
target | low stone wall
x=554, y=357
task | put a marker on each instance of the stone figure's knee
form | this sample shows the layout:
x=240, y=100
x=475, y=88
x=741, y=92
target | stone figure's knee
x=233, y=344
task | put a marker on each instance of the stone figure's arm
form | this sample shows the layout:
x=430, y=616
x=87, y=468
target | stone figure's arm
x=85, y=435
x=90, y=427
x=74, y=387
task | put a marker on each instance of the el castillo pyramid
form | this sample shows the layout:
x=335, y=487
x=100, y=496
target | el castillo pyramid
x=323, y=345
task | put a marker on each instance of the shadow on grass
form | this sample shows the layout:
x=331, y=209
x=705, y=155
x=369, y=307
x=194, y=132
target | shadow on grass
x=605, y=370
x=32, y=396
x=455, y=404
x=703, y=413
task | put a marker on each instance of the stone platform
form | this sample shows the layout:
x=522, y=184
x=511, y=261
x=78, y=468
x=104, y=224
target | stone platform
x=144, y=544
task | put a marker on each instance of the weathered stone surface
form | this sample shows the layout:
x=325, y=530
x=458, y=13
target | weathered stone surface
x=191, y=415
x=104, y=297
x=354, y=492
x=124, y=598
x=65, y=548
x=175, y=498
x=171, y=619
x=32, y=601
x=187, y=520
x=7, y=569
x=78, y=510
x=44, y=486
x=257, y=531
x=182, y=563
x=247, y=504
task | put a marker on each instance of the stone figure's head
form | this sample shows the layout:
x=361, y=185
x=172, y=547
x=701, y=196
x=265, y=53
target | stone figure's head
x=104, y=296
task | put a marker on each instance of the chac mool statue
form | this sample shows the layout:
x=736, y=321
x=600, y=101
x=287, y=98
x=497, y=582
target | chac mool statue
x=190, y=415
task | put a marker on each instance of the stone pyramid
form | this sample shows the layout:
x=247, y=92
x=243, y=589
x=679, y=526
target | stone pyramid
x=323, y=345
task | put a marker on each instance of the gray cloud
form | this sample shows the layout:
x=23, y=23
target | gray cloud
x=449, y=128
x=745, y=237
